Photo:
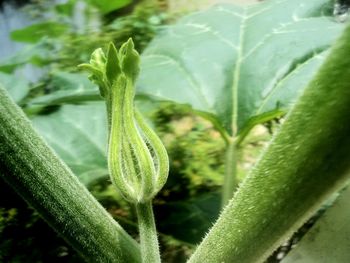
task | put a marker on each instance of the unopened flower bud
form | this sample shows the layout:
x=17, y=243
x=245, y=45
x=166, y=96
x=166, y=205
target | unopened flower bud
x=137, y=159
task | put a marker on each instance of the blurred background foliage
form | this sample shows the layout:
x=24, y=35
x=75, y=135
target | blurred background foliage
x=42, y=44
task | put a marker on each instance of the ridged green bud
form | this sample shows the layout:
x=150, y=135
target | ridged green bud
x=137, y=159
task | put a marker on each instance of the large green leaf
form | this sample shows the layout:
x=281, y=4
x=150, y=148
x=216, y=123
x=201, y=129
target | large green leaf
x=239, y=63
x=78, y=134
x=329, y=239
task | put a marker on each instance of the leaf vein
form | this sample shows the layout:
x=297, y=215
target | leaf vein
x=207, y=29
x=285, y=78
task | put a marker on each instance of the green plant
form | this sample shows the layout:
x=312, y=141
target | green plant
x=251, y=87
x=44, y=181
x=307, y=160
x=62, y=41
x=221, y=48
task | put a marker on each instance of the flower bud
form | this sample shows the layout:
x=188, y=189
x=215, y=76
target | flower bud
x=137, y=159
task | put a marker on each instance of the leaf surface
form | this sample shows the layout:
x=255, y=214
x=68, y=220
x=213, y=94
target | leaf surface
x=69, y=88
x=18, y=88
x=36, y=54
x=239, y=63
x=78, y=135
x=188, y=220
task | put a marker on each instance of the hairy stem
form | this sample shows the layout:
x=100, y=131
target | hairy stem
x=148, y=233
x=306, y=161
x=230, y=179
x=34, y=171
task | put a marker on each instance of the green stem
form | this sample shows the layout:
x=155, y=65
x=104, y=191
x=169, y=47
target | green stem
x=230, y=179
x=148, y=233
x=34, y=171
x=305, y=163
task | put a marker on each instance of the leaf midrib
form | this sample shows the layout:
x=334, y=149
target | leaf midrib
x=236, y=74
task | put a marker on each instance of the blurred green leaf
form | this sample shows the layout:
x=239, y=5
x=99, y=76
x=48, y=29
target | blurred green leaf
x=69, y=88
x=239, y=64
x=17, y=87
x=78, y=135
x=329, y=239
x=188, y=220
x=35, y=32
x=67, y=97
x=37, y=54
x=66, y=8
x=71, y=81
x=106, y=6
